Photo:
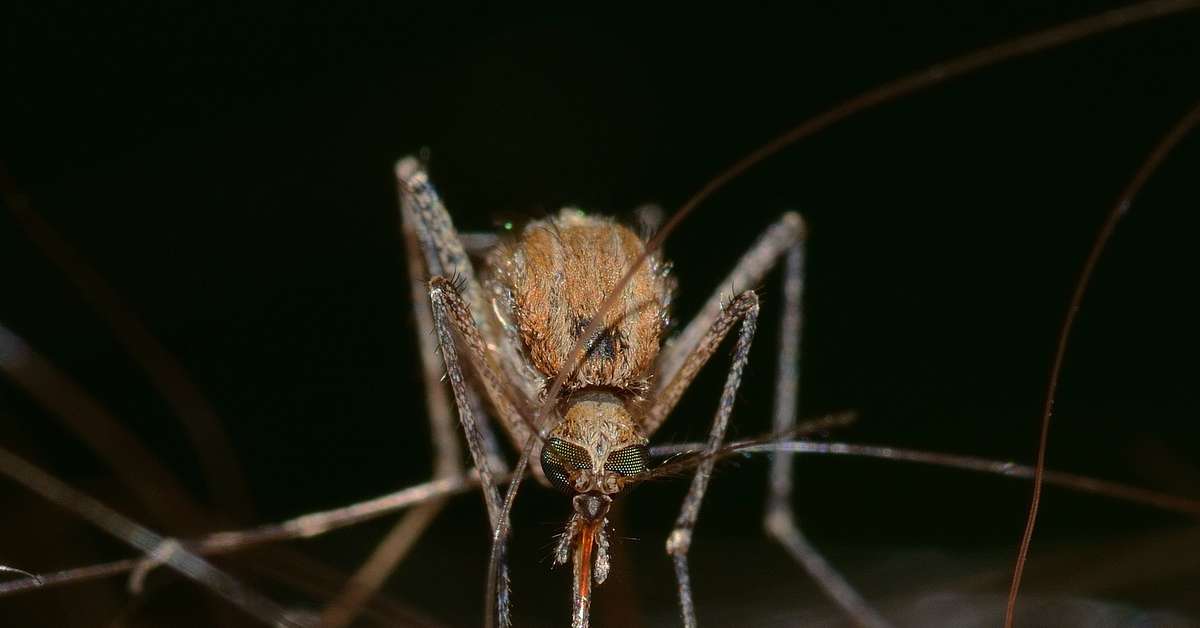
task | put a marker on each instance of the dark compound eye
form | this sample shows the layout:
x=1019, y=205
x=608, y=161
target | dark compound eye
x=559, y=459
x=629, y=461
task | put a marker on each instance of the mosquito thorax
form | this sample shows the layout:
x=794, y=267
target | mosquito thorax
x=550, y=281
x=597, y=445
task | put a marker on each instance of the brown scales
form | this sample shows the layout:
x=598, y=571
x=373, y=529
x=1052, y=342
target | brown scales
x=554, y=278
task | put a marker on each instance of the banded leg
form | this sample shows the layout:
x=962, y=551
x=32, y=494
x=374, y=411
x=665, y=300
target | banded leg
x=745, y=309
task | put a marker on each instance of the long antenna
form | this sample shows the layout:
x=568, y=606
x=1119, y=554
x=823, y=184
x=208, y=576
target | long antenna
x=1118, y=211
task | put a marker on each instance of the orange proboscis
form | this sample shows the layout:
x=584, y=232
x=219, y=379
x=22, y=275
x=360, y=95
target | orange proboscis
x=583, y=570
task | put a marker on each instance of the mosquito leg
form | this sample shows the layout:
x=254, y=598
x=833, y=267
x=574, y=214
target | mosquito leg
x=787, y=384
x=447, y=453
x=452, y=314
x=447, y=457
x=678, y=364
x=435, y=247
x=688, y=353
x=745, y=309
x=450, y=310
x=447, y=256
x=423, y=212
x=474, y=243
x=445, y=252
x=779, y=517
x=450, y=305
x=490, y=443
x=477, y=244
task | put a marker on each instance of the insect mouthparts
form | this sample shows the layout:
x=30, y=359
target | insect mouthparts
x=591, y=506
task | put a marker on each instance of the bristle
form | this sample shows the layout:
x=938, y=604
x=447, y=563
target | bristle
x=600, y=570
x=562, y=552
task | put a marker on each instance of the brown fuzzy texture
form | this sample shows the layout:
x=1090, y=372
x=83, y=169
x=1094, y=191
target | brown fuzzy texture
x=554, y=279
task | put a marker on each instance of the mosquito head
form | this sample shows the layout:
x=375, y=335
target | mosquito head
x=594, y=450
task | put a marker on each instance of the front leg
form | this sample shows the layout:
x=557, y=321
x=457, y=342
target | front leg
x=451, y=314
x=446, y=254
x=683, y=357
x=745, y=309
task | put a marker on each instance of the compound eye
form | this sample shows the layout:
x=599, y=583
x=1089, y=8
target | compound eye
x=559, y=459
x=629, y=461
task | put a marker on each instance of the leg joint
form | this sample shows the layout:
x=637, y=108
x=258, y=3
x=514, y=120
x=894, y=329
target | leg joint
x=679, y=542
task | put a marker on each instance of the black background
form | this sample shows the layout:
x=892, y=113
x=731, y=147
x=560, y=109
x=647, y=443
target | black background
x=228, y=172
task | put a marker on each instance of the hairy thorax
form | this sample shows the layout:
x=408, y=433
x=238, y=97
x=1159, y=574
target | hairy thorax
x=550, y=282
x=547, y=285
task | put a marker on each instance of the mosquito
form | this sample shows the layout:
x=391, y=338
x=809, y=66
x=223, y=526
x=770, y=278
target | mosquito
x=590, y=437
x=518, y=328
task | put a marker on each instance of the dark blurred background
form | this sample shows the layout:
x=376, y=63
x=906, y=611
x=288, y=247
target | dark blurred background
x=228, y=172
